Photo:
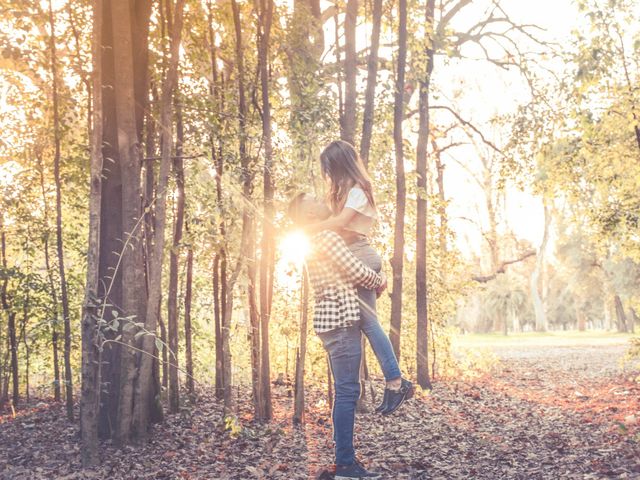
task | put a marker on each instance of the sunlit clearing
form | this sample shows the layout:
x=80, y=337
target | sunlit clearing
x=293, y=250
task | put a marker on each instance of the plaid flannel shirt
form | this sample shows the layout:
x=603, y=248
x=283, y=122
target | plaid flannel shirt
x=334, y=273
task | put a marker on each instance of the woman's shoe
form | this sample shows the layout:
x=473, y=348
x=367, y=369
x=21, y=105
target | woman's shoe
x=396, y=398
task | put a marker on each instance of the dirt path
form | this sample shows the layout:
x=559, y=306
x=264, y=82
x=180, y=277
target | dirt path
x=561, y=412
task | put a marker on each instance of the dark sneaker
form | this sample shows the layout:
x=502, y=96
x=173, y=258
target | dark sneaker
x=355, y=470
x=383, y=404
x=396, y=398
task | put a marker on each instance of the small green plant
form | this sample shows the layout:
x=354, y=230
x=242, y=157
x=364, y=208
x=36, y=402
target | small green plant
x=232, y=425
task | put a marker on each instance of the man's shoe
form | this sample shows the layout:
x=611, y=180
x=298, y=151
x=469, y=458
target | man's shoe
x=397, y=397
x=383, y=404
x=356, y=470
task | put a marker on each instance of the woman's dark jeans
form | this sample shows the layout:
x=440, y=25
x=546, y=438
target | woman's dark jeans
x=344, y=349
x=369, y=319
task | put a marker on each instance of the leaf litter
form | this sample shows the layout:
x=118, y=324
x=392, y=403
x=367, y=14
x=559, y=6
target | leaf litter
x=548, y=413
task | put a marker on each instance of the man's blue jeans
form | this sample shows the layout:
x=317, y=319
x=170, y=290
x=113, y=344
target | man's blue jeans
x=369, y=318
x=344, y=349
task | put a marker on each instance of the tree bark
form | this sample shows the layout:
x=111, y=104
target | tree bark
x=187, y=324
x=301, y=353
x=348, y=123
x=397, y=261
x=144, y=385
x=133, y=295
x=621, y=317
x=422, y=321
x=372, y=80
x=90, y=389
x=57, y=137
x=52, y=288
x=121, y=271
x=27, y=349
x=267, y=255
x=538, y=300
x=172, y=301
x=247, y=247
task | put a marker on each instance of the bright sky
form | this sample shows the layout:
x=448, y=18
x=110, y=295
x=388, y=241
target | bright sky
x=499, y=92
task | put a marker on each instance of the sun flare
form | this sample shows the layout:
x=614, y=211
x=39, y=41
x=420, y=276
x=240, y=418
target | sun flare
x=293, y=249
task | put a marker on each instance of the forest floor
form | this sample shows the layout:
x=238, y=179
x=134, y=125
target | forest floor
x=543, y=410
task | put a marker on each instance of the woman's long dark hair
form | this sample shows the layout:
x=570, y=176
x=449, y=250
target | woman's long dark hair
x=343, y=167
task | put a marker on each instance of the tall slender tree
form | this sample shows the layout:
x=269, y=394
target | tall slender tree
x=422, y=322
x=57, y=138
x=372, y=80
x=267, y=255
x=397, y=261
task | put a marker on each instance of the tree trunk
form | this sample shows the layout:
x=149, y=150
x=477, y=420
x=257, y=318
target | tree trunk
x=27, y=350
x=121, y=270
x=172, y=301
x=301, y=352
x=52, y=288
x=372, y=80
x=218, y=327
x=397, y=261
x=219, y=261
x=633, y=320
x=538, y=300
x=90, y=390
x=145, y=383
x=422, y=321
x=442, y=207
x=267, y=255
x=187, y=324
x=11, y=316
x=348, y=123
x=621, y=317
x=247, y=247
x=59, y=242
x=133, y=293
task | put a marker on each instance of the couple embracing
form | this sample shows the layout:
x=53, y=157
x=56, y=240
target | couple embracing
x=345, y=272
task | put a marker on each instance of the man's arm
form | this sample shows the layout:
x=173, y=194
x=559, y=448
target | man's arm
x=335, y=250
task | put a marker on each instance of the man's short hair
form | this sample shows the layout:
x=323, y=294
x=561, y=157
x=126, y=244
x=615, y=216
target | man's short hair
x=295, y=205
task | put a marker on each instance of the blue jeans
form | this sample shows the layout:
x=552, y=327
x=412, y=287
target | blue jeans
x=343, y=347
x=368, y=317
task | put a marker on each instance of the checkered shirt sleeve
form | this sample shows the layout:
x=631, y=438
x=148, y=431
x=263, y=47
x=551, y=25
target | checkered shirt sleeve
x=334, y=272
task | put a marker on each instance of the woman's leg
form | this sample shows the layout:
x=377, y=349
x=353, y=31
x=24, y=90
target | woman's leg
x=378, y=339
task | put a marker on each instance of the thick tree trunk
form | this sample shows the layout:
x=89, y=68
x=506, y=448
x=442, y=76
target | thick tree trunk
x=301, y=352
x=267, y=255
x=145, y=383
x=57, y=137
x=397, y=261
x=422, y=321
x=134, y=294
x=348, y=123
x=120, y=205
x=372, y=80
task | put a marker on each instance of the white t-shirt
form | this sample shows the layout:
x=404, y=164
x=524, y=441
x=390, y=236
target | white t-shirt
x=366, y=215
